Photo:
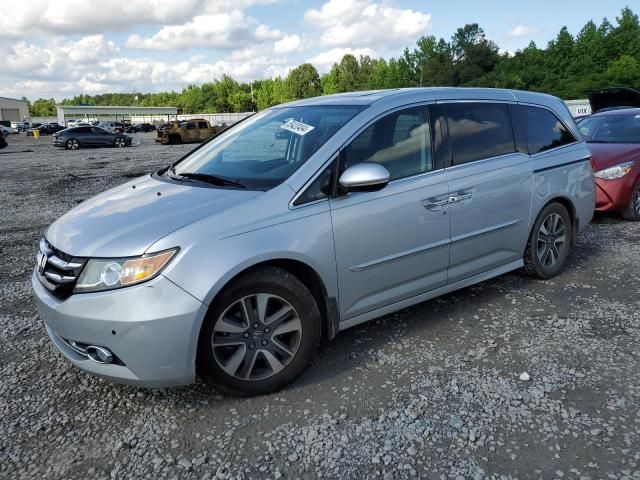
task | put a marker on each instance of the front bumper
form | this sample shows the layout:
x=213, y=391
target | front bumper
x=614, y=195
x=152, y=328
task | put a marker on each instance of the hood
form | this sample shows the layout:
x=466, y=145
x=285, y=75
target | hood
x=614, y=98
x=606, y=155
x=128, y=219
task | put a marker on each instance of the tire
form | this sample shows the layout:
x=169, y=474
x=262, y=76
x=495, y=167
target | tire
x=239, y=359
x=119, y=142
x=632, y=212
x=175, y=140
x=72, y=144
x=549, y=242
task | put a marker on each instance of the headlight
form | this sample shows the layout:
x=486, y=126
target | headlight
x=109, y=273
x=617, y=171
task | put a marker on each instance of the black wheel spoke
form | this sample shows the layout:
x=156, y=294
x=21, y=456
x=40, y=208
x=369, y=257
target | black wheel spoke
x=248, y=363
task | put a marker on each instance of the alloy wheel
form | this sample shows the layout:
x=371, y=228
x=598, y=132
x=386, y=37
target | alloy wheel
x=636, y=199
x=119, y=142
x=256, y=336
x=551, y=239
x=73, y=144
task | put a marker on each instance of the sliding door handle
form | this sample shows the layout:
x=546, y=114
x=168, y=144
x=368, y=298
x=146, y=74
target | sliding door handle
x=460, y=197
x=435, y=204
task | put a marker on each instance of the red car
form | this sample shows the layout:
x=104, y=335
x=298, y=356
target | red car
x=613, y=137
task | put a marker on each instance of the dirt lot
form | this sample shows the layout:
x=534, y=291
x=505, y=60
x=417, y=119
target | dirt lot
x=433, y=391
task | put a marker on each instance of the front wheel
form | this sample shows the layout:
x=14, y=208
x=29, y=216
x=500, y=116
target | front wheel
x=549, y=243
x=119, y=142
x=632, y=212
x=260, y=335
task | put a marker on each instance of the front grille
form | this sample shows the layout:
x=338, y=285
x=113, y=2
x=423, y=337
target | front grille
x=57, y=270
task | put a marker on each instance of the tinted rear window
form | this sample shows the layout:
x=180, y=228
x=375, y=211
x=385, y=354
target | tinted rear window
x=542, y=129
x=479, y=130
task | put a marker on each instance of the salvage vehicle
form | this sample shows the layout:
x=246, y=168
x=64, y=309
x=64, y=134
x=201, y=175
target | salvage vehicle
x=613, y=137
x=191, y=131
x=236, y=260
x=3, y=141
x=85, y=136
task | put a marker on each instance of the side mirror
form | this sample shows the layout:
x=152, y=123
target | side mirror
x=364, y=177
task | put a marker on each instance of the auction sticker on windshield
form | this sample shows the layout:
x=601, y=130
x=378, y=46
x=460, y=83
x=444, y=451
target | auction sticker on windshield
x=297, y=127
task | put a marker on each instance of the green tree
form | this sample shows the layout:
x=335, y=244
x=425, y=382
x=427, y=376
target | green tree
x=43, y=108
x=304, y=81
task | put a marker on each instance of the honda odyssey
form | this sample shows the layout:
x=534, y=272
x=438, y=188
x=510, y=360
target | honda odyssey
x=306, y=219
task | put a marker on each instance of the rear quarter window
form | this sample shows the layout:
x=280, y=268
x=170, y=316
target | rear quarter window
x=541, y=128
x=479, y=130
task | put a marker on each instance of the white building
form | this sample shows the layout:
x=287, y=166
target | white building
x=13, y=110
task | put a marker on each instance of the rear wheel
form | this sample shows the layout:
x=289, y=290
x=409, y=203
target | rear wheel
x=549, y=243
x=632, y=212
x=260, y=335
x=72, y=144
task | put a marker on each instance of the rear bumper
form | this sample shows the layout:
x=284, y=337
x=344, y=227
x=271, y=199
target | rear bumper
x=151, y=328
x=614, y=195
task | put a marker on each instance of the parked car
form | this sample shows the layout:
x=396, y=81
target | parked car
x=190, y=131
x=33, y=126
x=49, y=128
x=613, y=137
x=145, y=127
x=22, y=126
x=237, y=259
x=8, y=130
x=141, y=127
x=3, y=139
x=85, y=136
x=111, y=126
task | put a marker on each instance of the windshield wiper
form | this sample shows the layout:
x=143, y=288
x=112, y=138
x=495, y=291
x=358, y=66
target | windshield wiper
x=212, y=179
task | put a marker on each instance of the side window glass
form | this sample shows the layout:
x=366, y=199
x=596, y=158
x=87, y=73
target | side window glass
x=320, y=188
x=544, y=130
x=191, y=126
x=203, y=125
x=401, y=141
x=479, y=130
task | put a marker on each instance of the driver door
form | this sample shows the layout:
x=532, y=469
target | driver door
x=392, y=244
x=190, y=132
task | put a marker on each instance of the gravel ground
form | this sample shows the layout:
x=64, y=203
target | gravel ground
x=435, y=391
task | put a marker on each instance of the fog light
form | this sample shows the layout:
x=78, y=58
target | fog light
x=99, y=354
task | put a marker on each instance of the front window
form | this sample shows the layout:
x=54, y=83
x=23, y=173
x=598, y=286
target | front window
x=267, y=148
x=611, y=129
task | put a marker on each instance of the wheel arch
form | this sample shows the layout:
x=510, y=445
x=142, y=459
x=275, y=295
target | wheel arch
x=308, y=276
x=571, y=209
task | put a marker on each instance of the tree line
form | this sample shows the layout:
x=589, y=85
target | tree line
x=599, y=56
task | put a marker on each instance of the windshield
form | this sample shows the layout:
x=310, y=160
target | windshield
x=264, y=150
x=611, y=129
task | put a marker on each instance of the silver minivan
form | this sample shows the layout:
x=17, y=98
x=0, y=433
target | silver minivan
x=304, y=220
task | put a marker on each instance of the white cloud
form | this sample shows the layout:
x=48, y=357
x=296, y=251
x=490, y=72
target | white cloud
x=18, y=19
x=223, y=30
x=364, y=23
x=288, y=44
x=325, y=60
x=523, y=31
